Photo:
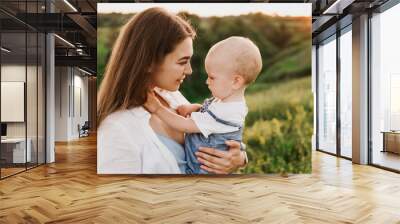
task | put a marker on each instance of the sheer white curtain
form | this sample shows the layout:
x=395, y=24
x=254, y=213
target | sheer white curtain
x=385, y=89
x=327, y=96
x=346, y=94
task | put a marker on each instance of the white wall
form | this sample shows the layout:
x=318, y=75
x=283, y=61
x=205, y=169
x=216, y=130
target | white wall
x=12, y=73
x=62, y=81
x=71, y=87
x=33, y=126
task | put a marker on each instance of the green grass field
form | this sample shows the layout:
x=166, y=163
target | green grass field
x=279, y=127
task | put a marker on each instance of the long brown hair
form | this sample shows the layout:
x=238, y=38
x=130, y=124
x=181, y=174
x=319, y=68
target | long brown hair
x=143, y=42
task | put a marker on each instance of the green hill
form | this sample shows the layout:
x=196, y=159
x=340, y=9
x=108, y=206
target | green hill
x=294, y=61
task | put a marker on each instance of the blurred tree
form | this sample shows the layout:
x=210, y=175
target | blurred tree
x=283, y=42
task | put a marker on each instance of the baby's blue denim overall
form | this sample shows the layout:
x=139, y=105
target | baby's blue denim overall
x=195, y=140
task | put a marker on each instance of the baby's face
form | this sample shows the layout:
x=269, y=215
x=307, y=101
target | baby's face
x=220, y=75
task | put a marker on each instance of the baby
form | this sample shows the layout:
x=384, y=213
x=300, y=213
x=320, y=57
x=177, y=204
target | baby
x=231, y=65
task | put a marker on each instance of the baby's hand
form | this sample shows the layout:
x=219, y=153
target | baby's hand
x=187, y=109
x=152, y=104
x=184, y=110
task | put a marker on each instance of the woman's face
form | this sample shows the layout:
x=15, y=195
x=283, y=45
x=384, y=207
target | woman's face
x=175, y=67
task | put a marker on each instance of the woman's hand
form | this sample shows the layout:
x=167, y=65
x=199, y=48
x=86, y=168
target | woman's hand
x=153, y=103
x=221, y=162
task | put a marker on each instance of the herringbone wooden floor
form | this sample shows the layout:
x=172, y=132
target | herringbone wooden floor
x=69, y=191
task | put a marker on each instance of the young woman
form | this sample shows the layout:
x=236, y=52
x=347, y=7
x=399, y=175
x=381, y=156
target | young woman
x=153, y=51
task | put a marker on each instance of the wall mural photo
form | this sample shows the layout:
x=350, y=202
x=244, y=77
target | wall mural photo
x=216, y=88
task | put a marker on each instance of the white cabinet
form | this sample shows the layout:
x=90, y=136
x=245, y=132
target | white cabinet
x=17, y=147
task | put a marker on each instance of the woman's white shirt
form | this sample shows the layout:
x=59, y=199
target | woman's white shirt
x=126, y=143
